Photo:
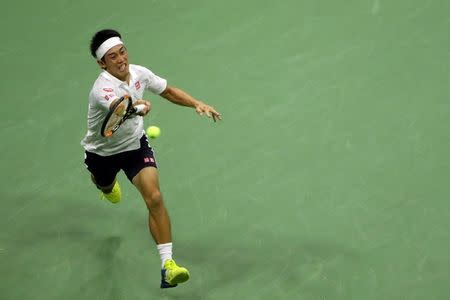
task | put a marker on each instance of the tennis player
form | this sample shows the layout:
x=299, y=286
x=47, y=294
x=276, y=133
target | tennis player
x=128, y=148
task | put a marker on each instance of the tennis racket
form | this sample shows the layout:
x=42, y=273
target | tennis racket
x=121, y=110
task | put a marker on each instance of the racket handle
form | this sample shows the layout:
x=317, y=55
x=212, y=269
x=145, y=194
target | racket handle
x=139, y=108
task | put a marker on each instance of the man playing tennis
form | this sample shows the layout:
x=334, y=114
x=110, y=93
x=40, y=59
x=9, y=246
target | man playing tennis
x=128, y=148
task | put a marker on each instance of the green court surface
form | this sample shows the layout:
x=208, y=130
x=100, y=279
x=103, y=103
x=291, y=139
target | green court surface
x=328, y=177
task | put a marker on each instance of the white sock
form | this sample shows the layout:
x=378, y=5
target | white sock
x=165, y=252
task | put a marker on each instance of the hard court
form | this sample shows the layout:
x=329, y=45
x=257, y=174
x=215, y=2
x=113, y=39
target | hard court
x=328, y=177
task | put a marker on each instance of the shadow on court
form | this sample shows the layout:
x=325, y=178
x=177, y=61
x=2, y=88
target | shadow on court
x=78, y=257
x=258, y=265
x=107, y=283
x=62, y=250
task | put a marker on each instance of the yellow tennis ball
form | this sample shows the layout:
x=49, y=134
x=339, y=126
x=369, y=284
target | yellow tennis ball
x=153, y=132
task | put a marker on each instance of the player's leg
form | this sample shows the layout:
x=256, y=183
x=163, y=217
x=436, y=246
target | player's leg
x=147, y=182
x=141, y=169
x=110, y=192
x=104, y=189
x=103, y=175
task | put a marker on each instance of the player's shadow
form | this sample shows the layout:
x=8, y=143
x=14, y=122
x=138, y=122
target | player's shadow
x=109, y=269
x=292, y=262
x=225, y=262
x=83, y=259
x=99, y=263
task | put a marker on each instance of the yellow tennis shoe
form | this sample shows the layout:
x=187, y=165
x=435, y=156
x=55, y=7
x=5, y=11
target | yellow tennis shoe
x=172, y=274
x=115, y=195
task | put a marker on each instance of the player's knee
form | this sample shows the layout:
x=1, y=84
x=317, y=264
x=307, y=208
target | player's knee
x=153, y=200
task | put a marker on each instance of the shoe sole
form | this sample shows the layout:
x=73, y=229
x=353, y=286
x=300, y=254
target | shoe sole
x=103, y=197
x=180, y=278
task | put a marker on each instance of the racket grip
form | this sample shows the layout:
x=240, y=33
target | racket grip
x=139, y=108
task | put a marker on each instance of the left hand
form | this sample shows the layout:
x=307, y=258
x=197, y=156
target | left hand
x=148, y=106
x=204, y=109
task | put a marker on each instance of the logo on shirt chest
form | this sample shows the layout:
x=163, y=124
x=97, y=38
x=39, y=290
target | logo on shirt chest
x=110, y=96
x=137, y=85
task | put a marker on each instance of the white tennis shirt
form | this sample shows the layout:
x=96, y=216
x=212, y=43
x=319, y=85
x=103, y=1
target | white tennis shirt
x=106, y=89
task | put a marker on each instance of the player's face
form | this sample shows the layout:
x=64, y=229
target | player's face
x=115, y=62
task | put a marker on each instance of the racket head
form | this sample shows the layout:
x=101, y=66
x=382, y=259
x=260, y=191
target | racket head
x=117, y=114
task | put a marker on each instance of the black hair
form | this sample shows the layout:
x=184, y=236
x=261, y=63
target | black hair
x=101, y=36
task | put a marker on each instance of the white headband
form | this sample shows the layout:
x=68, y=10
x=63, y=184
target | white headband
x=106, y=45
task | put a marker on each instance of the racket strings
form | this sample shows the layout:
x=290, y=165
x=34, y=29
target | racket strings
x=116, y=118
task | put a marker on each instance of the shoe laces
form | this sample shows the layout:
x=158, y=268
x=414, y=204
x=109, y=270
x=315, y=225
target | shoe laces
x=169, y=264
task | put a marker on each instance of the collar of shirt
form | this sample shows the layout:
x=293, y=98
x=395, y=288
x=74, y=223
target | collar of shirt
x=119, y=82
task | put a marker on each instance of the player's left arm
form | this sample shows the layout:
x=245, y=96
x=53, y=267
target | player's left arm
x=180, y=97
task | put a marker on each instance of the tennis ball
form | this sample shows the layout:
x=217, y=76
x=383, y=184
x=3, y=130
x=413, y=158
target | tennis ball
x=153, y=132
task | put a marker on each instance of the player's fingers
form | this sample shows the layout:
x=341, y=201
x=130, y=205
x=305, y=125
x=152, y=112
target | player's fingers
x=212, y=109
x=217, y=115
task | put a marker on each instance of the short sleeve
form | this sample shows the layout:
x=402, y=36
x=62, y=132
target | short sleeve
x=102, y=96
x=153, y=82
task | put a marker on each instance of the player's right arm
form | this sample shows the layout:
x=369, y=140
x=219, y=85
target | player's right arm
x=105, y=98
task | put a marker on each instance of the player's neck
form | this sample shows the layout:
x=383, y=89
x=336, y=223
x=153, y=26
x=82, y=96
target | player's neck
x=125, y=78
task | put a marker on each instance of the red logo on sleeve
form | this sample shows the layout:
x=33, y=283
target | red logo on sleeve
x=137, y=85
x=106, y=97
x=109, y=90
